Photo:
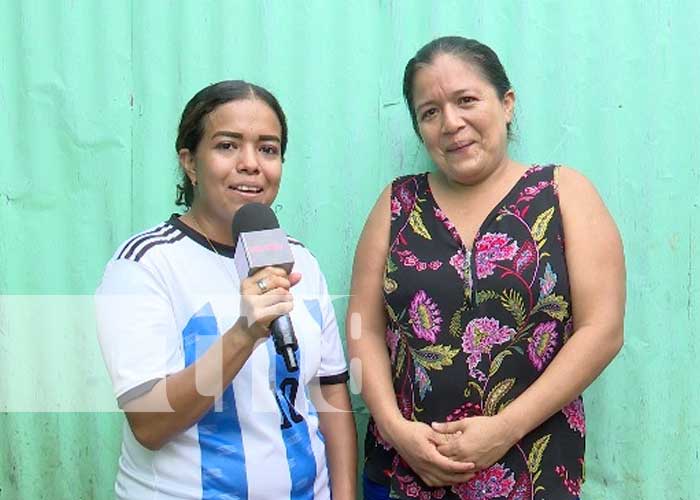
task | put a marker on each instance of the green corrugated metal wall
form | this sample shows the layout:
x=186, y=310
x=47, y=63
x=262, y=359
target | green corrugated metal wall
x=90, y=93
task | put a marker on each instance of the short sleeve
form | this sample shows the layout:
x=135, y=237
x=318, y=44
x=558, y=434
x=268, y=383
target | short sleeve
x=136, y=329
x=333, y=369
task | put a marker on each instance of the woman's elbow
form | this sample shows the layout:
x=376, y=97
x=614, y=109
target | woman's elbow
x=620, y=342
x=145, y=434
x=149, y=442
x=616, y=340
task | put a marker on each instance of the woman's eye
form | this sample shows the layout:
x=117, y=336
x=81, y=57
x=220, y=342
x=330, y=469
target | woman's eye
x=466, y=100
x=269, y=150
x=428, y=113
x=226, y=146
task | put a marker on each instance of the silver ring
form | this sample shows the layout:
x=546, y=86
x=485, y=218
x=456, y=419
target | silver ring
x=262, y=285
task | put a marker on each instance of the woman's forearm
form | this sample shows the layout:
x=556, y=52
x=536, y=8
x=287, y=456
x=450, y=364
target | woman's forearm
x=579, y=362
x=375, y=378
x=338, y=428
x=180, y=400
x=593, y=250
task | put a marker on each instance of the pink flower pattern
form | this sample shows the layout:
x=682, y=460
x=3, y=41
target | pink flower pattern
x=568, y=329
x=542, y=343
x=372, y=428
x=440, y=215
x=575, y=416
x=528, y=194
x=392, y=341
x=425, y=317
x=491, y=248
x=572, y=485
x=395, y=208
x=522, y=489
x=525, y=256
x=412, y=489
x=467, y=409
x=406, y=198
x=409, y=259
x=457, y=338
x=458, y=261
x=461, y=262
x=405, y=405
x=480, y=336
x=495, y=482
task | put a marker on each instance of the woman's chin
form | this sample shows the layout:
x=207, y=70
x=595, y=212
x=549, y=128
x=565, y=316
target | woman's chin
x=238, y=198
x=466, y=173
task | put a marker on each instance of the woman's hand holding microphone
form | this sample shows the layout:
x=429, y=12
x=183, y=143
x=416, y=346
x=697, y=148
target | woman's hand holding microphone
x=265, y=296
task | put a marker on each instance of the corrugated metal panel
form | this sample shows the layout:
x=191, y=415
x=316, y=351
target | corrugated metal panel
x=90, y=96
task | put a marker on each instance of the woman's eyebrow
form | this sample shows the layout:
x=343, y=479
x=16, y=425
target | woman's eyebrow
x=238, y=135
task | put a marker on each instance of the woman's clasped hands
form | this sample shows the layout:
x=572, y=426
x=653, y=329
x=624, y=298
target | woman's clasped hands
x=418, y=445
x=449, y=453
x=481, y=440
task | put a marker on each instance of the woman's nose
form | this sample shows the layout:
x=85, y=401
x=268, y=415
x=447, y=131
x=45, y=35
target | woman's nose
x=248, y=160
x=451, y=120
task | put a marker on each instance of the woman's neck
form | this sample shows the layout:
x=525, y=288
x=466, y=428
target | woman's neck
x=503, y=174
x=208, y=227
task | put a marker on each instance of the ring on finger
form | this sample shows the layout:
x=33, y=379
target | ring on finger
x=262, y=285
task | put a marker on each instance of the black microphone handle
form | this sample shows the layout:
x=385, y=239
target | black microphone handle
x=285, y=341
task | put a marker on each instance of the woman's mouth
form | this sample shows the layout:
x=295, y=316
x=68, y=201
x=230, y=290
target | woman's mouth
x=458, y=147
x=247, y=189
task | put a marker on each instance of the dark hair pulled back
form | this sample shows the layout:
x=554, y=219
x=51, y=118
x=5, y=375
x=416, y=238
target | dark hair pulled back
x=191, y=128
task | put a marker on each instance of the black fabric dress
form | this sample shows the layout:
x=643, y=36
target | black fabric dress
x=469, y=329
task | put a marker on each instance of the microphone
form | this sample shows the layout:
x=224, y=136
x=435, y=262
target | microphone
x=261, y=243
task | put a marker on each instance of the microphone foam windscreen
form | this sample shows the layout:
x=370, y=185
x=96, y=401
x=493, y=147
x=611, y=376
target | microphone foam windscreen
x=253, y=217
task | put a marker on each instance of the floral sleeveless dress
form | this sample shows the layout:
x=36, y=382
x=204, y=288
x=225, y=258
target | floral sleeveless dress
x=469, y=329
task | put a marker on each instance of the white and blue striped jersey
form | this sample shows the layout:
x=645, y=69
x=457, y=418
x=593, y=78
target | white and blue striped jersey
x=164, y=299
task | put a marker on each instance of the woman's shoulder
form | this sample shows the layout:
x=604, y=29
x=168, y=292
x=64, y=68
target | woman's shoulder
x=135, y=262
x=573, y=186
x=567, y=181
x=136, y=246
x=403, y=193
x=300, y=251
x=313, y=279
x=304, y=259
x=406, y=177
x=569, y=174
x=149, y=253
x=408, y=180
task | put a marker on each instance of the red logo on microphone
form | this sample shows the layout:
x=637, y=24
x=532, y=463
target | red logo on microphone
x=268, y=247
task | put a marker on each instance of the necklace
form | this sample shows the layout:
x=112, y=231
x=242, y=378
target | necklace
x=220, y=258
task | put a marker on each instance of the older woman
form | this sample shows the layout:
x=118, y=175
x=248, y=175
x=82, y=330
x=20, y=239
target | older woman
x=212, y=411
x=490, y=293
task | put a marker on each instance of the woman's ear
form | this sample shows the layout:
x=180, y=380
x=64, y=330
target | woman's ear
x=509, y=105
x=187, y=163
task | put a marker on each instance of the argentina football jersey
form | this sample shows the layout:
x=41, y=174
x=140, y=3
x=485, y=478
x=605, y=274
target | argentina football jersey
x=165, y=298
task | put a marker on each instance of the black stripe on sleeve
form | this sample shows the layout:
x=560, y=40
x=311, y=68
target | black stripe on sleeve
x=136, y=392
x=340, y=378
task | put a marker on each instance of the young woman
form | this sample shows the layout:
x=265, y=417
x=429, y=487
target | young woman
x=212, y=411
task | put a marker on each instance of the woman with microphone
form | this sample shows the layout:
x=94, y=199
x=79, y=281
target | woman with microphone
x=211, y=409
